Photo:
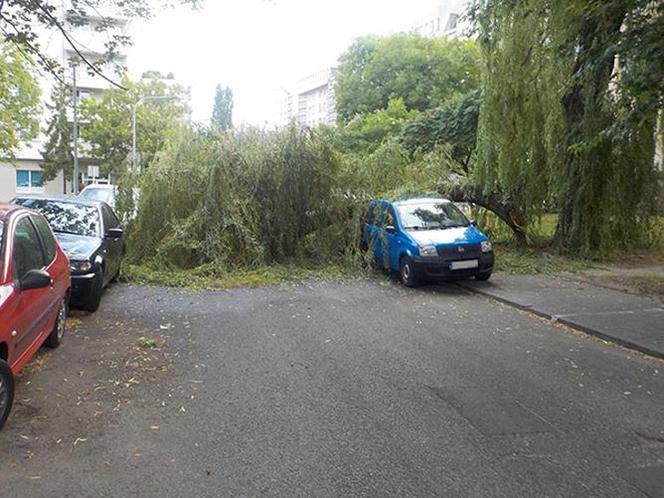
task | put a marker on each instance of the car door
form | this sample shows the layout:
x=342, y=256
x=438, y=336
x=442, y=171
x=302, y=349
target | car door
x=391, y=231
x=378, y=237
x=55, y=271
x=33, y=306
x=113, y=247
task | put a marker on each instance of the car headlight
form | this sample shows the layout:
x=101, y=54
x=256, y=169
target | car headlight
x=80, y=265
x=428, y=251
x=486, y=246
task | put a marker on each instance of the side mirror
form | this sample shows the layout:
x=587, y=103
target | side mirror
x=473, y=223
x=114, y=233
x=35, y=279
x=391, y=229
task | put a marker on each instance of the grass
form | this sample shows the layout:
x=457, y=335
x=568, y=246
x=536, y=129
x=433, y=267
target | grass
x=517, y=261
x=201, y=279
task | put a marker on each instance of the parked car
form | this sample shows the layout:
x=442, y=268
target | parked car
x=100, y=192
x=91, y=236
x=426, y=238
x=34, y=291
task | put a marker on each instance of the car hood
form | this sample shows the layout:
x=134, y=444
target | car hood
x=459, y=235
x=77, y=247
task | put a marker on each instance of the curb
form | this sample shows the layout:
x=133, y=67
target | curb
x=626, y=343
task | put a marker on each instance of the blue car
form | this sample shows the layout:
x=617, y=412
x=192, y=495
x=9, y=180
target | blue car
x=426, y=238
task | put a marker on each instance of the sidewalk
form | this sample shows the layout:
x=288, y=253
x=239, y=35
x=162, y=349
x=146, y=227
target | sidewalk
x=634, y=321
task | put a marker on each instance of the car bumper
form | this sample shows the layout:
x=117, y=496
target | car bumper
x=439, y=267
x=81, y=287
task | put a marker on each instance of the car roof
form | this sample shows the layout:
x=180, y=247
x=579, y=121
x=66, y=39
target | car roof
x=102, y=186
x=81, y=201
x=409, y=201
x=7, y=209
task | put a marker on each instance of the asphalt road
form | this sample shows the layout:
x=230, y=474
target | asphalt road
x=331, y=389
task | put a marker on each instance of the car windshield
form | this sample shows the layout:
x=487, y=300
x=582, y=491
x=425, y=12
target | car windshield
x=431, y=216
x=99, y=194
x=67, y=217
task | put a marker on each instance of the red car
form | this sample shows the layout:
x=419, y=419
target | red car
x=34, y=293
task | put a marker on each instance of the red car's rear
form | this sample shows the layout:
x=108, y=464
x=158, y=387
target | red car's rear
x=34, y=289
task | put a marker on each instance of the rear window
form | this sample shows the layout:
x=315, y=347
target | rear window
x=67, y=217
x=99, y=194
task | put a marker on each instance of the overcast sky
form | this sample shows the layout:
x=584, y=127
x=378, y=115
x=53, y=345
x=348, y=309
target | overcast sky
x=257, y=46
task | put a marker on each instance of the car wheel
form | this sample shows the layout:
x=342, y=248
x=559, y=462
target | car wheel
x=6, y=391
x=482, y=277
x=58, y=332
x=94, y=299
x=407, y=272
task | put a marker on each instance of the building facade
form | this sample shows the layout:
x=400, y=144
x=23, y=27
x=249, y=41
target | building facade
x=311, y=102
x=24, y=175
x=445, y=20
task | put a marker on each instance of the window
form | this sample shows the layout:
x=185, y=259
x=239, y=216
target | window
x=67, y=216
x=28, y=180
x=46, y=238
x=388, y=219
x=27, y=249
x=431, y=216
x=110, y=220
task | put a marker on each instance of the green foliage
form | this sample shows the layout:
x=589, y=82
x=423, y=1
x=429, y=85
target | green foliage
x=58, y=153
x=454, y=124
x=19, y=100
x=215, y=202
x=222, y=114
x=424, y=72
x=365, y=133
x=568, y=114
x=107, y=123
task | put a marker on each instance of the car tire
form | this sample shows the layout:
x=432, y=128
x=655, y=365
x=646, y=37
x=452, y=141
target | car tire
x=407, y=272
x=6, y=391
x=94, y=299
x=55, y=337
x=483, y=277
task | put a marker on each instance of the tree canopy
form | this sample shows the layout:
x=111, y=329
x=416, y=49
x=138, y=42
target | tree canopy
x=107, y=123
x=19, y=100
x=424, y=72
x=222, y=113
x=58, y=152
x=571, y=92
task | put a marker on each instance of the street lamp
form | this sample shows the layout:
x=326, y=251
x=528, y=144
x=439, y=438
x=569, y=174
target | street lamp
x=143, y=100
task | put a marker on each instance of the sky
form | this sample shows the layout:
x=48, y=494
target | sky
x=258, y=46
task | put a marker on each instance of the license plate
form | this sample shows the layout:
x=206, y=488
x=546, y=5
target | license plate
x=464, y=265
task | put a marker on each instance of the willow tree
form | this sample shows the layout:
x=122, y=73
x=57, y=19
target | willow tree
x=571, y=90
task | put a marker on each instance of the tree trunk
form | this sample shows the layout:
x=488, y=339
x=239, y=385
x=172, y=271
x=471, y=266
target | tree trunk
x=496, y=202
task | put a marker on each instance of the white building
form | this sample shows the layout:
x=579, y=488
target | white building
x=445, y=20
x=311, y=102
x=24, y=175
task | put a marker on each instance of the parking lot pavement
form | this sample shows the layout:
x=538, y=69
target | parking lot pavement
x=331, y=389
x=631, y=320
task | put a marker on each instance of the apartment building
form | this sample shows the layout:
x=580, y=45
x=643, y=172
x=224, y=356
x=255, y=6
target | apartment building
x=445, y=20
x=311, y=102
x=25, y=174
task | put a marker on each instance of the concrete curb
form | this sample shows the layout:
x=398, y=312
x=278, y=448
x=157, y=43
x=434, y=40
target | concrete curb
x=626, y=343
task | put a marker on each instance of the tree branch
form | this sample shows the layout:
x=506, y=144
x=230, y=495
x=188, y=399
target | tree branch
x=57, y=24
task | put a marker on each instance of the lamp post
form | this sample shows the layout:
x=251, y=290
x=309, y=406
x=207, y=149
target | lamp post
x=74, y=89
x=143, y=100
